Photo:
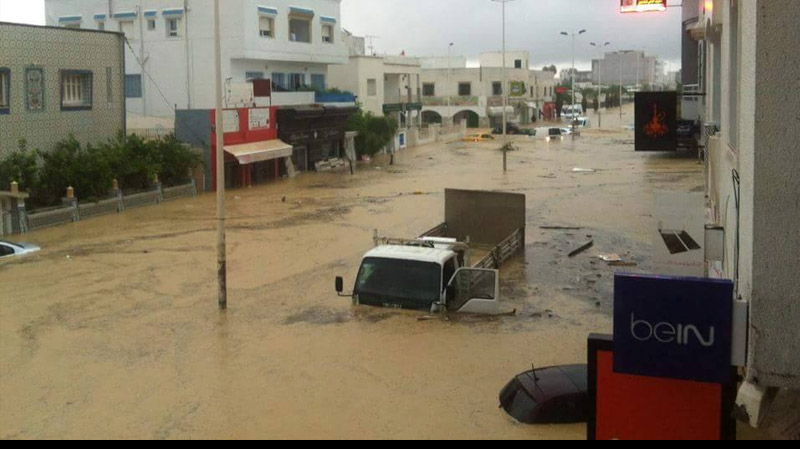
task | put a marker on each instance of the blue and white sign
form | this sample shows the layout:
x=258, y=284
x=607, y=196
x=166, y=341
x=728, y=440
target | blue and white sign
x=675, y=328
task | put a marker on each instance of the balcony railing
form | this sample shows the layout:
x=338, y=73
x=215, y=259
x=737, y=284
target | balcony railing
x=400, y=99
x=453, y=101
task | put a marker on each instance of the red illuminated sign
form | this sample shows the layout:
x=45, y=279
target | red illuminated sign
x=632, y=6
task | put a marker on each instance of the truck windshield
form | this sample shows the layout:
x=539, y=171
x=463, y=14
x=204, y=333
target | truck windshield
x=405, y=283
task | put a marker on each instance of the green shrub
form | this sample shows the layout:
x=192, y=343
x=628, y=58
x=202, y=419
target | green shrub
x=22, y=166
x=176, y=160
x=134, y=162
x=87, y=170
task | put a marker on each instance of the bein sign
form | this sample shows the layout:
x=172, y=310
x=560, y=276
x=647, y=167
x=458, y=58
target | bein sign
x=674, y=328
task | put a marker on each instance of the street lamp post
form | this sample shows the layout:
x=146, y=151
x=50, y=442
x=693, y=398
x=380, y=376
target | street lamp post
x=505, y=90
x=574, y=36
x=449, y=75
x=222, y=265
x=600, y=82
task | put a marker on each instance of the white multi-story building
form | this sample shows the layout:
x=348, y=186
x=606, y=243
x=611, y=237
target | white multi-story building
x=381, y=84
x=451, y=91
x=633, y=68
x=170, y=47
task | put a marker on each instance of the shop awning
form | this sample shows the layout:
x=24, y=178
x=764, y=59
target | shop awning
x=498, y=111
x=250, y=153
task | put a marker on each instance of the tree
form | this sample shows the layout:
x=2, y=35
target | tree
x=559, y=105
x=374, y=133
x=585, y=103
x=596, y=104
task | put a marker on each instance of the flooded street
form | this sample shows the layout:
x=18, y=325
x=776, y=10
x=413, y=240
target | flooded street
x=113, y=330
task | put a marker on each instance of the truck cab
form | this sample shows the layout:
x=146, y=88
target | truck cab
x=431, y=272
x=424, y=278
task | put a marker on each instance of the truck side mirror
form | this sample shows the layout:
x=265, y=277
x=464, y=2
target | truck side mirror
x=339, y=285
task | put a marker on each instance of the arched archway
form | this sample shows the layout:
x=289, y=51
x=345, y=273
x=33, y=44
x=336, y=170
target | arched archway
x=431, y=117
x=472, y=118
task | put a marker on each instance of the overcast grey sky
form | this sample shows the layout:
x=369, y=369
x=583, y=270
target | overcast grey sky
x=426, y=27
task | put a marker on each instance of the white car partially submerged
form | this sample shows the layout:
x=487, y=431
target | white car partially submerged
x=11, y=249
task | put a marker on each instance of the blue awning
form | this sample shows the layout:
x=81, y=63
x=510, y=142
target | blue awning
x=151, y=13
x=172, y=12
x=70, y=19
x=99, y=17
x=268, y=11
x=327, y=19
x=126, y=15
x=301, y=11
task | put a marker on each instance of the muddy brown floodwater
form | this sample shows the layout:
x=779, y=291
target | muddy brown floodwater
x=113, y=330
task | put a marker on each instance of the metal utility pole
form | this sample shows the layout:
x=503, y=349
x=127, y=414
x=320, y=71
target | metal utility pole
x=620, y=89
x=600, y=82
x=574, y=36
x=222, y=264
x=449, y=75
x=505, y=90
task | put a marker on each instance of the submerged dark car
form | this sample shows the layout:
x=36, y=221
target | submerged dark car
x=511, y=130
x=557, y=395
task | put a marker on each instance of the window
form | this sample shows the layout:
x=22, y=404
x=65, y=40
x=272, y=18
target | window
x=76, y=90
x=279, y=82
x=318, y=82
x=126, y=28
x=109, y=85
x=300, y=29
x=5, y=91
x=34, y=89
x=6, y=251
x=372, y=87
x=265, y=26
x=296, y=81
x=497, y=88
x=250, y=76
x=133, y=86
x=173, y=27
x=464, y=89
x=151, y=24
x=428, y=90
x=327, y=33
x=518, y=64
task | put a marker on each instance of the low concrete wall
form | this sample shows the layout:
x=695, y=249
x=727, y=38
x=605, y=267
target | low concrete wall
x=77, y=211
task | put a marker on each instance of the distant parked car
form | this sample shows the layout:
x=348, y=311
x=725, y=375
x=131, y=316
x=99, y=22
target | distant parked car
x=11, y=249
x=528, y=132
x=550, y=134
x=511, y=129
x=478, y=138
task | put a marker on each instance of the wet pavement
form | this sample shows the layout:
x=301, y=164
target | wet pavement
x=113, y=330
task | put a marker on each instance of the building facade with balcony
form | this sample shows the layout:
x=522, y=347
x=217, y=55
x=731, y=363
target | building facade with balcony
x=381, y=84
x=451, y=93
x=742, y=57
x=170, y=48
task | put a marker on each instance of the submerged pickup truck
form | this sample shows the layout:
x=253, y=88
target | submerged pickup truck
x=436, y=271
